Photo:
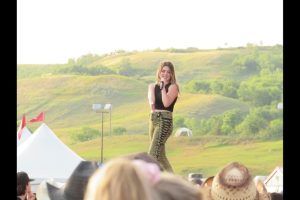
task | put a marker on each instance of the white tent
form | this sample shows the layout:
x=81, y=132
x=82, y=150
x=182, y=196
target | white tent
x=24, y=136
x=274, y=182
x=259, y=178
x=183, y=132
x=45, y=156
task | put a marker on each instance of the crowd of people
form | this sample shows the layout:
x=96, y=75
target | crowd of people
x=139, y=176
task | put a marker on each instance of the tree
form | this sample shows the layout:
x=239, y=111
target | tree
x=276, y=127
x=198, y=86
x=230, y=88
x=230, y=119
x=217, y=87
x=252, y=124
x=87, y=59
x=261, y=90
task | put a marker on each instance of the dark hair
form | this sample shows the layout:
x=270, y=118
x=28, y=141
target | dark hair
x=22, y=182
x=276, y=196
x=21, y=189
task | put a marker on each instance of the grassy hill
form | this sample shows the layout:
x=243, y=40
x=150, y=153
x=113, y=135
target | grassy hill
x=204, y=64
x=67, y=100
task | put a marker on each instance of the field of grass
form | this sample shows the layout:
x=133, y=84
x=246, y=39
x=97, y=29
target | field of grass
x=195, y=154
x=202, y=106
x=67, y=100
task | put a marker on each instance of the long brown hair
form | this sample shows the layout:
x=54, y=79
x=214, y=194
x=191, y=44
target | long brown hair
x=173, y=76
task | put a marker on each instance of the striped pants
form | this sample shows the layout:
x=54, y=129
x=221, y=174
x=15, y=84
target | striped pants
x=160, y=129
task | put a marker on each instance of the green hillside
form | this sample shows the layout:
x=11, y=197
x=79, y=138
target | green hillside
x=66, y=94
x=201, y=64
x=67, y=101
x=69, y=97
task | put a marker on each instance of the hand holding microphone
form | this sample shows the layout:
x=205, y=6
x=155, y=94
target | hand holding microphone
x=161, y=85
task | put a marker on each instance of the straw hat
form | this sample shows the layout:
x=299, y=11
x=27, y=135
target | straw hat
x=234, y=182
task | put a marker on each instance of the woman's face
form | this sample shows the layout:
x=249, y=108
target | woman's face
x=165, y=74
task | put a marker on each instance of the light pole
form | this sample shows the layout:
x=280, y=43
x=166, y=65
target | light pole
x=98, y=108
x=108, y=107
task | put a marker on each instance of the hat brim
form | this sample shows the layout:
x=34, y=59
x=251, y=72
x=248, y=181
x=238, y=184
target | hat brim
x=55, y=193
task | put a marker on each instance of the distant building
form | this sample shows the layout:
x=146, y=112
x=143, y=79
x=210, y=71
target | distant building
x=274, y=182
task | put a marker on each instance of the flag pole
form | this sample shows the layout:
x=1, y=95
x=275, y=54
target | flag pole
x=102, y=139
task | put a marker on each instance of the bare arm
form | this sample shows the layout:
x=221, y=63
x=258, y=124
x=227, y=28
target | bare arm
x=168, y=98
x=151, y=97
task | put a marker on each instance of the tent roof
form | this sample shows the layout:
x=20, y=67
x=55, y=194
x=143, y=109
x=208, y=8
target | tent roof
x=24, y=136
x=44, y=155
x=274, y=182
x=183, y=132
x=278, y=170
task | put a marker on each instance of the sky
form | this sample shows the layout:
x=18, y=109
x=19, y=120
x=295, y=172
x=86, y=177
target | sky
x=53, y=31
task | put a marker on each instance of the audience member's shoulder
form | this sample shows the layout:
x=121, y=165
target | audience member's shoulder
x=174, y=187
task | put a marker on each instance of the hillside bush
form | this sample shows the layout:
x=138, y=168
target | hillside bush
x=231, y=118
x=274, y=130
x=86, y=134
x=261, y=90
x=119, y=131
x=252, y=124
x=195, y=86
x=258, y=59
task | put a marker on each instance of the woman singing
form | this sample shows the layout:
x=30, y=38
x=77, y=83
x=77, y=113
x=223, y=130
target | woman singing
x=162, y=97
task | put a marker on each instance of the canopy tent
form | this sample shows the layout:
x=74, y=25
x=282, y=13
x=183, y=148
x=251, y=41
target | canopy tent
x=45, y=156
x=259, y=178
x=274, y=182
x=24, y=136
x=183, y=132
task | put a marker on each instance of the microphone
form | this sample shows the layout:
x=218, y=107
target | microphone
x=161, y=86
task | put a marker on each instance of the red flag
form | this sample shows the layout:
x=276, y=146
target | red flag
x=39, y=118
x=22, y=125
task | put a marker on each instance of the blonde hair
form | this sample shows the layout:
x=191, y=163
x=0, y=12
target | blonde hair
x=172, y=69
x=174, y=187
x=118, y=179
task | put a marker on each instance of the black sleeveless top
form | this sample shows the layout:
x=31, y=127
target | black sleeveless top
x=158, y=99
